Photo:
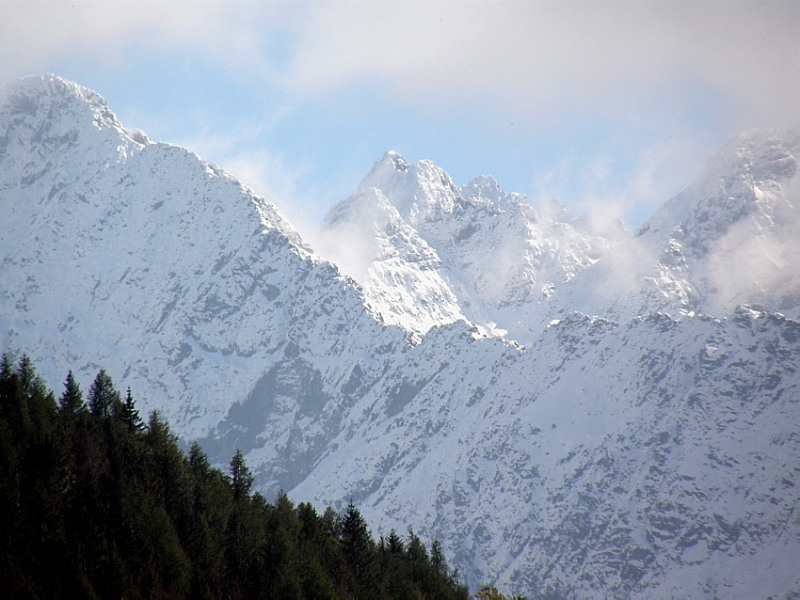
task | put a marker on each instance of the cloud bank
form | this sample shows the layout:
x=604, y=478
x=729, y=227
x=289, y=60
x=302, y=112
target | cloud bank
x=536, y=58
x=528, y=57
x=660, y=82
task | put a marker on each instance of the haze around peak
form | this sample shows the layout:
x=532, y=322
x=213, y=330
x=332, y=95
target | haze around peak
x=606, y=107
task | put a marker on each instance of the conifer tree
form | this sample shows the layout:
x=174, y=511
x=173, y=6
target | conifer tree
x=17, y=401
x=198, y=461
x=6, y=366
x=417, y=556
x=394, y=543
x=102, y=395
x=35, y=403
x=171, y=477
x=8, y=387
x=158, y=432
x=7, y=382
x=243, y=540
x=71, y=401
x=241, y=478
x=438, y=560
x=26, y=374
x=358, y=551
x=129, y=415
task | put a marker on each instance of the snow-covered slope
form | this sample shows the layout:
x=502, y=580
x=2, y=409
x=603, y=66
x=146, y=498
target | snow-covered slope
x=403, y=275
x=626, y=454
x=612, y=461
x=140, y=258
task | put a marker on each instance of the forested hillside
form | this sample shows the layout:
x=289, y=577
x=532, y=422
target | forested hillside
x=96, y=503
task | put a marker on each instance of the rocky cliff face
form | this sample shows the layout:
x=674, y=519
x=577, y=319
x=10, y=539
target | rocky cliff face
x=567, y=421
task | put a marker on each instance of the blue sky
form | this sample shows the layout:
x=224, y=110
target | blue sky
x=609, y=107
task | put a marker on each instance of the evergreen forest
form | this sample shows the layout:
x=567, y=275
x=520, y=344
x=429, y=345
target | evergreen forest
x=97, y=503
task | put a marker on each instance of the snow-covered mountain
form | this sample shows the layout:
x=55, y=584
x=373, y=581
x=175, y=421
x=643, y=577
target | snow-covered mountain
x=489, y=256
x=649, y=449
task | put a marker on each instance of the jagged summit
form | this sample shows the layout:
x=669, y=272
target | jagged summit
x=484, y=192
x=51, y=90
x=401, y=274
x=498, y=258
x=732, y=235
x=422, y=191
x=417, y=190
x=397, y=161
x=730, y=238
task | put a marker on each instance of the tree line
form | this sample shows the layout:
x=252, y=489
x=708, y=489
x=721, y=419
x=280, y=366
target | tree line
x=97, y=503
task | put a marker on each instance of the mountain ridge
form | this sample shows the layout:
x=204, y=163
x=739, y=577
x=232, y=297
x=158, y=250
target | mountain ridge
x=173, y=200
x=513, y=268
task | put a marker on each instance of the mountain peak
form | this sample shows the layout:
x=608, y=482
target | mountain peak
x=415, y=190
x=49, y=84
x=484, y=190
x=483, y=182
x=63, y=109
x=387, y=167
x=390, y=157
x=50, y=96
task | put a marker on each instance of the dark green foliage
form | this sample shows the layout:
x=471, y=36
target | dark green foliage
x=71, y=401
x=102, y=395
x=359, y=554
x=94, y=504
x=241, y=478
x=129, y=415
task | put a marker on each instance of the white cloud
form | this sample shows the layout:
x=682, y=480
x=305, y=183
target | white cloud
x=261, y=169
x=536, y=58
x=755, y=261
x=270, y=176
x=530, y=59
x=229, y=33
x=608, y=192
